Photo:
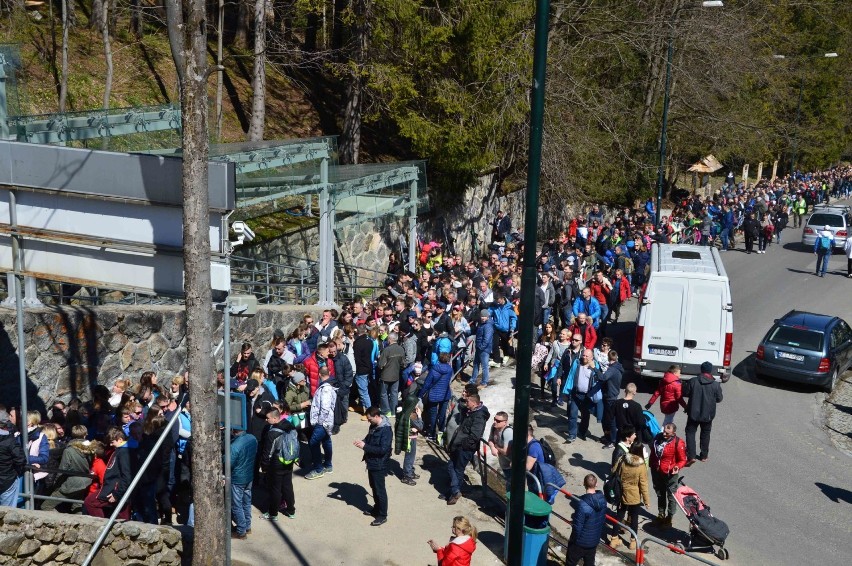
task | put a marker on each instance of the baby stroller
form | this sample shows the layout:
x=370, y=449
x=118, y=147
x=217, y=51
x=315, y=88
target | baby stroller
x=706, y=532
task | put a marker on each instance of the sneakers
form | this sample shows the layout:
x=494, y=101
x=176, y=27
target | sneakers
x=315, y=475
x=329, y=470
x=607, y=446
x=363, y=417
x=440, y=438
x=493, y=364
x=415, y=476
x=453, y=499
x=506, y=361
x=268, y=517
x=238, y=536
x=290, y=515
x=690, y=462
x=379, y=521
x=409, y=481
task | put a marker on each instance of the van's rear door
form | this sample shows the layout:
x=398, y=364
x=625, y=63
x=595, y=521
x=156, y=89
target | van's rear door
x=704, y=323
x=662, y=335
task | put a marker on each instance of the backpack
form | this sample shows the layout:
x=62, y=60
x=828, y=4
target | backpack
x=824, y=243
x=651, y=423
x=549, y=454
x=287, y=447
x=612, y=487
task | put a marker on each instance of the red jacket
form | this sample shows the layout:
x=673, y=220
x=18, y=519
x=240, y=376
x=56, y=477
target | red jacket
x=670, y=394
x=674, y=455
x=600, y=291
x=312, y=367
x=624, y=290
x=590, y=337
x=457, y=553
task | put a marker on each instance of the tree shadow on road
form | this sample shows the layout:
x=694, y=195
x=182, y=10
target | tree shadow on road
x=836, y=494
x=352, y=494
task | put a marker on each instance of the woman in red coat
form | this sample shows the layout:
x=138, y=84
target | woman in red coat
x=461, y=547
x=669, y=393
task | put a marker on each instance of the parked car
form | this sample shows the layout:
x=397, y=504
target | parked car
x=837, y=218
x=806, y=347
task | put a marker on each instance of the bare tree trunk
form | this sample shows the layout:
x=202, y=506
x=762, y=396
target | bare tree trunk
x=350, y=143
x=258, y=80
x=107, y=53
x=192, y=67
x=97, y=8
x=241, y=34
x=136, y=18
x=219, y=76
x=63, y=82
x=339, y=30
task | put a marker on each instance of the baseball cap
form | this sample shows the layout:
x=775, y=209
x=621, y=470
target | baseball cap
x=412, y=314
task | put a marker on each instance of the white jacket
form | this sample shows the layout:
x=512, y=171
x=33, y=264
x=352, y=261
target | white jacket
x=847, y=247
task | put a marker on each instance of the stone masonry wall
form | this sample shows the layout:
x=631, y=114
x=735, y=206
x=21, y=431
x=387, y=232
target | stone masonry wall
x=69, y=350
x=51, y=539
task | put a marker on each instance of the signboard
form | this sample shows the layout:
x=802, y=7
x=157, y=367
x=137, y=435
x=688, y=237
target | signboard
x=239, y=420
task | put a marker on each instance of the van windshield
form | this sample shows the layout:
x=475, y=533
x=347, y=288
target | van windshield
x=797, y=338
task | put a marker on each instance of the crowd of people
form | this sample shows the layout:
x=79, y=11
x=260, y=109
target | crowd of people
x=392, y=361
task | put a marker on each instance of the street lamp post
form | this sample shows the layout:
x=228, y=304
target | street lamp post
x=795, y=148
x=661, y=169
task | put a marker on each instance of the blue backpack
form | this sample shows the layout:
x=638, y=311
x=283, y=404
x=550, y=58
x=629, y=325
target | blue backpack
x=824, y=243
x=652, y=424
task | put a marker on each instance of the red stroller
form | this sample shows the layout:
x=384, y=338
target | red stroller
x=706, y=532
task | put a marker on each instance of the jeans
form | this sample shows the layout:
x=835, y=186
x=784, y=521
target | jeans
x=9, y=498
x=389, y=397
x=480, y=358
x=362, y=381
x=408, y=460
x=604, y=314
x=545, y=316
x=456, y=465
x=380, y=492
x=436, y=412
x=726, y=238
x=320, y=443
x=665, y=486
x=241, y=507
x=761, y=242
x=691, y=428
x=578, y=403
x=822, y=261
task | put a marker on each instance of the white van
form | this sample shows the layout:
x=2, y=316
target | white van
x=685, y=313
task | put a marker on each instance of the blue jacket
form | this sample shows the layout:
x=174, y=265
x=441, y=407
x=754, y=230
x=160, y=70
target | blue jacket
x=485, y=336
x=243, y=453
x=377, y=445
x=589, y=520
x=436, y=388
x=593, y=309
x=442, y=345
x=505, y=319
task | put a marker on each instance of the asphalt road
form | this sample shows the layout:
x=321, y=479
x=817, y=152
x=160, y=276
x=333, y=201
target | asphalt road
x=773, y=474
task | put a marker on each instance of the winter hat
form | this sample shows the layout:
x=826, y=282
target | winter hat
x=418, y=367
x=826, y=227
x=484, y=313
x=706, y=367
x=251, y=385
x=297, y=377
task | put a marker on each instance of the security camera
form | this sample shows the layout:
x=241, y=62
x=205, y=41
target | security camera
x=241, y=232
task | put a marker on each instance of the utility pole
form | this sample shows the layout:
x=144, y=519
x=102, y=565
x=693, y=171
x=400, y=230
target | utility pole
x=528, y=284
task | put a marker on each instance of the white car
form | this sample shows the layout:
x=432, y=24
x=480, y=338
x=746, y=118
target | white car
x=838, y=220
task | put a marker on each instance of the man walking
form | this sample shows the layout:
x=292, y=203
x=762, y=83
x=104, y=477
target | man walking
x=579, y=379
x=505, y=322
x=704, y=394
x=243, y=453
x=668, y=457
x=588, y=524
x=377, y=450
x=390, y=364
x=322, y=419
x=483, y=344
x=822, y=249
x=464, y=444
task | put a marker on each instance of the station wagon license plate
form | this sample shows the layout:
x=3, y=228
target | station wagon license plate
x=794, y=357
x=662, y=351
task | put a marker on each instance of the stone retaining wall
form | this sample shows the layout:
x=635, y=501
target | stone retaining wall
x=69, y=350
x=52, y=539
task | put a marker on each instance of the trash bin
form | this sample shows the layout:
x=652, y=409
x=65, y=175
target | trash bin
x=536, y=531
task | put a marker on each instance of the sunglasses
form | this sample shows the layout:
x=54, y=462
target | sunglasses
x=575, y=340
x=137, y=412
x=499, y=421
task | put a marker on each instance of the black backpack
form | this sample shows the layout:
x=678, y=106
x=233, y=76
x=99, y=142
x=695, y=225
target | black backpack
x=612, y=488
x=549, y=455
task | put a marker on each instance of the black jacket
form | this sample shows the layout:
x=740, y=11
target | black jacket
x=363, y=355
x=12, y=461
x=377, y=445
x=470, y=430
x=273, y=432
x=629, y=413
x=118, y=474
x=343, y=371
x=612, y=381
x=704, y=393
